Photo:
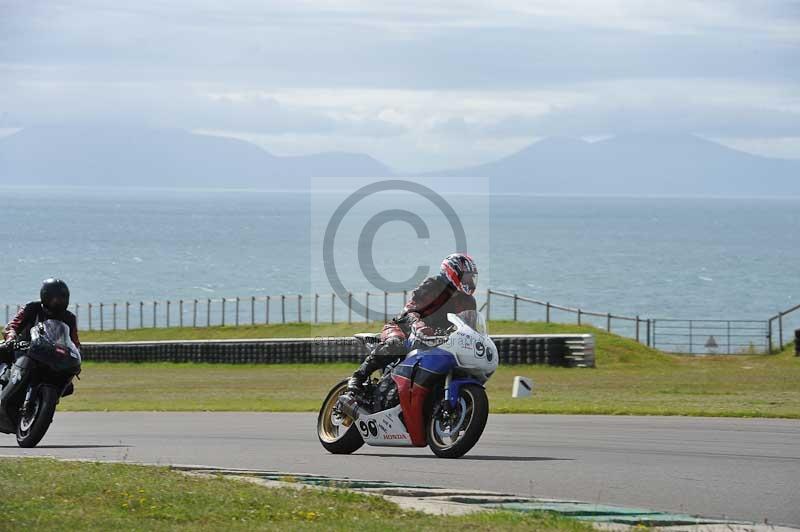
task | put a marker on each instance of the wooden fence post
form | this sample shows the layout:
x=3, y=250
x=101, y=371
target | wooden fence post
x=516, y=298
x=729, y=337
x=299, y=308
x=637, y=328
x=654, y=335
x=769, y=335
x=608, y=322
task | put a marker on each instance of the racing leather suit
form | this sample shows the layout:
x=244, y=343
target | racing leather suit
x=425, y=313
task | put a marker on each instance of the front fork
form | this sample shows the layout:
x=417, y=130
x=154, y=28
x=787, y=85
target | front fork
x=446, y=404
x=26, y=405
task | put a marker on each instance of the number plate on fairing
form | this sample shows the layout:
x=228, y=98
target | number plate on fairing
x=384, y=429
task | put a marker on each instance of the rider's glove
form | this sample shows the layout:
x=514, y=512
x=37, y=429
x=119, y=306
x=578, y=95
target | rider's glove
x=420, y=329
x=394, y=346
x=7, y=346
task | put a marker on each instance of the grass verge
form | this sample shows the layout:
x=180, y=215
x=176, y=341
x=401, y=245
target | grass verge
x=44, y=494
x=630, y=379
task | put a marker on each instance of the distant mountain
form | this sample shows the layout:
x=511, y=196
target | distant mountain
x=638, y=164
x=128, y=156
x=648, y=164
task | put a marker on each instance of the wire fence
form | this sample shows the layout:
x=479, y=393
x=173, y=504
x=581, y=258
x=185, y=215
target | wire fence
x=690, y=336
x=504, y=305
x=232, y=311
x=781, y=326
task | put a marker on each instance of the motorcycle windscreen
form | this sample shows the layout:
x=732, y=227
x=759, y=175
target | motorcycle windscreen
x=474, y=320
x=52, y=344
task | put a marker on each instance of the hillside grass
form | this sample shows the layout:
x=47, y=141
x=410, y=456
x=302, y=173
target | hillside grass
x=629, y=379
x=45, y=494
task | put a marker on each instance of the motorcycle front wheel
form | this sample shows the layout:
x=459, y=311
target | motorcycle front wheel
x=337, y=433
x=33, y=424
x=453, y=431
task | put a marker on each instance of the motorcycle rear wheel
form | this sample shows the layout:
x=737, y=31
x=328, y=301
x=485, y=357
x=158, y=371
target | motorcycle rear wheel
x=454, y=435
x=32, y=427
x=337, y=433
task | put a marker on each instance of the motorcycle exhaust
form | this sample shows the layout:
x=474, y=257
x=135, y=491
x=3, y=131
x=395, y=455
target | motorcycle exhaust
x=350, y=407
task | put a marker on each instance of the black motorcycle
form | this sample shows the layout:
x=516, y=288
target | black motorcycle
x=40, y=376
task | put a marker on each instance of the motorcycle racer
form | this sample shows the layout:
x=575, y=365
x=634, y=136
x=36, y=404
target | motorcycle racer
x=52, y=304
x=451, y=291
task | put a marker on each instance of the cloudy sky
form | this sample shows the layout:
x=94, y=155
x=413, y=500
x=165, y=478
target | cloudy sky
x=416, y=85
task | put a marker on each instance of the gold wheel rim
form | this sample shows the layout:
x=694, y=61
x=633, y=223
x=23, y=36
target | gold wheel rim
x=329, y=431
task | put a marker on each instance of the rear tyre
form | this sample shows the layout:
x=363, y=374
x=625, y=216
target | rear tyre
x=337, y=432
x=32, y=426
x=452, y=432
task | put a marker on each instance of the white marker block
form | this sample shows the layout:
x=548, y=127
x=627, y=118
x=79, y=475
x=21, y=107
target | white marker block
x=523, y=387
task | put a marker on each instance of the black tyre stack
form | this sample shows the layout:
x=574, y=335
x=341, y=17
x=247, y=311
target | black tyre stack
x=528, y=349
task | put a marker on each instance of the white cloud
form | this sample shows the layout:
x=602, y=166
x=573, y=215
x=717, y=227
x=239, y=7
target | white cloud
x=417, y=84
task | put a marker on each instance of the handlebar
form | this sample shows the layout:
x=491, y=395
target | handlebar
x=439, y=337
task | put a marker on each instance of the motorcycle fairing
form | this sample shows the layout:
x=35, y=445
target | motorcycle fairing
x=18, y=380
x=412, y=403
x=384, y=428
x=415, y=378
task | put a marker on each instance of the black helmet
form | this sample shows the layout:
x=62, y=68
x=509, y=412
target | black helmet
x=54, y=296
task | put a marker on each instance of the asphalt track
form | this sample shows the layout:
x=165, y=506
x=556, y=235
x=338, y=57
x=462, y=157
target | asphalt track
x=746, y=469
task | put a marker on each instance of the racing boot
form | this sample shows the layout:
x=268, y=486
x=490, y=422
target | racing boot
x=355, y=384
x=384, y=353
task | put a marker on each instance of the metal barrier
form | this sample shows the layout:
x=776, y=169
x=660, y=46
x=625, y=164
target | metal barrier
x=673, y=335
x=571, y=350
x=728, y=337
x=684, y=336
x=792, y=316
x=231, y=311
x=633, y=326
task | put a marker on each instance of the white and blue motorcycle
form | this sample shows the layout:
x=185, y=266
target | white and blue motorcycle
x=435, y=397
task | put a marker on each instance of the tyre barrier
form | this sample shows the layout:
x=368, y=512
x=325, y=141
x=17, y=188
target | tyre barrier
x=569, y=350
